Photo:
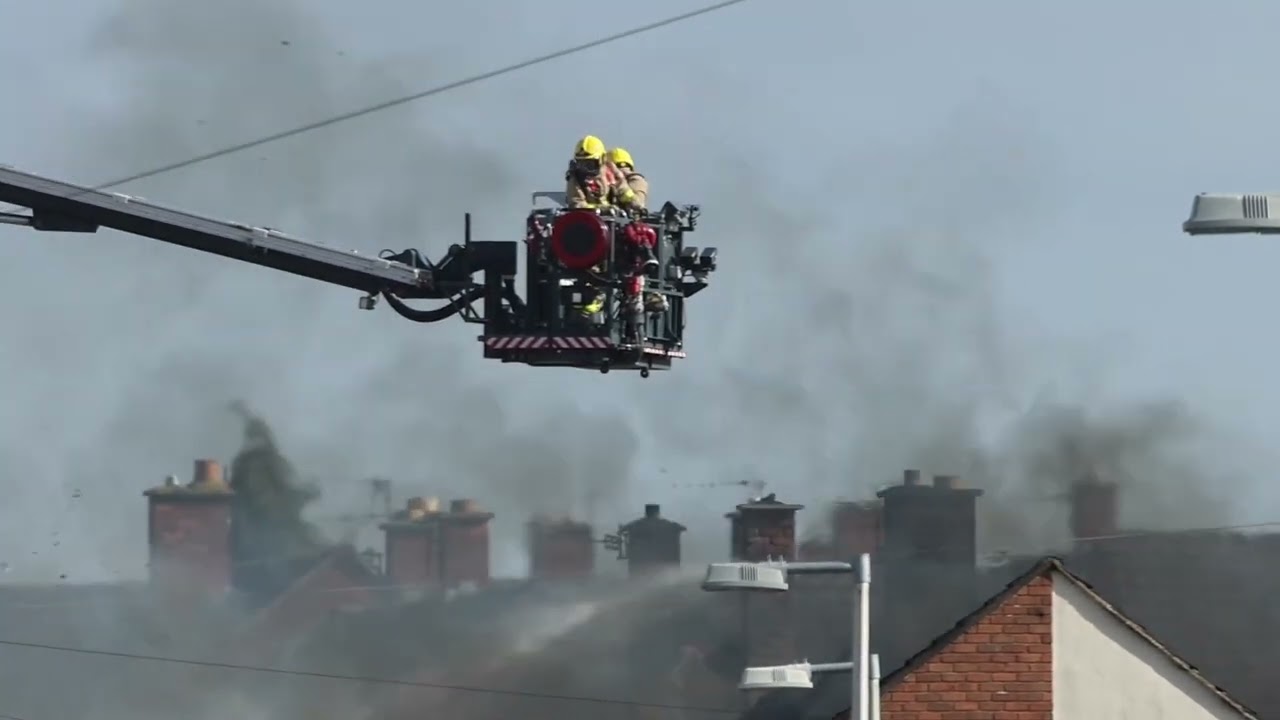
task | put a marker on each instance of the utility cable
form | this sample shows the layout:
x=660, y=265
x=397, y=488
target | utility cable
x=359, y=679
x=440, y=89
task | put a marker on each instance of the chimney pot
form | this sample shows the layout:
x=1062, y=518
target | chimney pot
x=207, y=474
x=463, y=506
x=910, y=477
x=652, y=511
x=417, y=508
x=946, y=482
x=171, y=481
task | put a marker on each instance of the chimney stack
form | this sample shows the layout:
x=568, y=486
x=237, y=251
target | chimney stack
x=856, y=528
x=412, y=553
x=464, y=539
x=946, y=482
x=1095, y=508
x=189, y=531
x=765, y=528
x=931, y=523
x=653, y=542
x=561, y=549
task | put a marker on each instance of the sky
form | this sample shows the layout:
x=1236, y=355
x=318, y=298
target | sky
x=933, y=219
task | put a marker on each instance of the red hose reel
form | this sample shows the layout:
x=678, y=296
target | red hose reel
x=579, y=240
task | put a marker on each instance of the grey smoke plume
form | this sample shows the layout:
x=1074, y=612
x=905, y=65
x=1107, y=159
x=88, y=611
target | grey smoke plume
x=179, y=334
x=876, y=340
x=270, y=537
x=848, y=336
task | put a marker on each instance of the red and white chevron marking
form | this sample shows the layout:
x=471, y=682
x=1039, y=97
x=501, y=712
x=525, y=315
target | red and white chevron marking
x=668, y=353
x=516, y=342
x=538, y=342
x=582, y=343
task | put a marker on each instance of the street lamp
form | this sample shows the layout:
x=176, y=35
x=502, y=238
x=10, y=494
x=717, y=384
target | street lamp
x=798, y=676
x=1231, y=213
x=772, y=576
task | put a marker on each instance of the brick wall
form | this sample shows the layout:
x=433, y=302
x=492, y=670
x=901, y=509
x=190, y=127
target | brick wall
x=765, y=529
x=561, y=549
x=856, y=528
x=412, y=552
x=1001, y=668
x=191, y=540
x=464, y=534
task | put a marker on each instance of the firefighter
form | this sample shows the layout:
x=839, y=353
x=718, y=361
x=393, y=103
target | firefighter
x=632, y=194
x=589, y=185
x=590, y=180
x=632, y=190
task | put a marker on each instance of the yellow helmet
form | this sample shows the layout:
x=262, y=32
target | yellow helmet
x=589, y=147
x=618, y=156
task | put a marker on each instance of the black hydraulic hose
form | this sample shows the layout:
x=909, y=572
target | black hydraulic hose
x=445, y=312
x=512, y=297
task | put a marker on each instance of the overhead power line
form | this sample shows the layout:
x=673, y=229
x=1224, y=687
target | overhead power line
x=455, y=85
x=360, y=679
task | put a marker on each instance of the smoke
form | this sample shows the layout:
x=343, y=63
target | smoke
x=852, y=332
x=270, y=538
x=878, y=338
x=173, y=335
x=1170, y=463
x=137, y=363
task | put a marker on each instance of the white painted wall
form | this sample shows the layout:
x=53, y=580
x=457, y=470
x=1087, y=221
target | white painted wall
x=1102, y=670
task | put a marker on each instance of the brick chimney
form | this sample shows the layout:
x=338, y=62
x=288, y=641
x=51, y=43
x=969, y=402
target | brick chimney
x=856, y=527
x=653, y=542
x=189, y=531
x=1095, y=508
x=412, y=554
x=560, y=549
x=464, y=538
x=765, y=528
x=761, y=529
x=930, y=523
x=735, y=533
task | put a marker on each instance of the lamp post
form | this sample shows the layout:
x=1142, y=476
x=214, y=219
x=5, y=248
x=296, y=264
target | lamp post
x=773, y=577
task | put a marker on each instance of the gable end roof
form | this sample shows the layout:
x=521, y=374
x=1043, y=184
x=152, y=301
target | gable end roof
x=1048, y=566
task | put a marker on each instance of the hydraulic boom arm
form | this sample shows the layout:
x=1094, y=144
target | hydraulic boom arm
x=62, y=207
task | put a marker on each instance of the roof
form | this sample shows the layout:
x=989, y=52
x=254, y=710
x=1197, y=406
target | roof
x=534, y=641
x=1050, y=566
x=1209, y=597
